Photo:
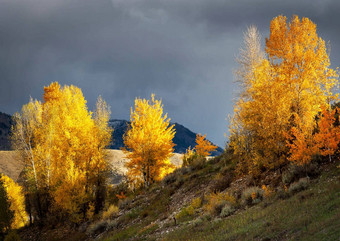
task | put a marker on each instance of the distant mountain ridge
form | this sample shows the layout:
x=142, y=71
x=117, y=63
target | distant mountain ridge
x=183, y=137
x=5, y=129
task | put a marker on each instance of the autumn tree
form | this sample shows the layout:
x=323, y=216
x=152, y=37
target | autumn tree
x=148, y=142
x=64, y=148
x=17, y=201
x=285, y=91
x=204, y=147
x=6, y=214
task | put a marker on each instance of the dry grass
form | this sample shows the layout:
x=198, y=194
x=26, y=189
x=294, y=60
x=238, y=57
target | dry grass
x=11, y=164
x=117, y=160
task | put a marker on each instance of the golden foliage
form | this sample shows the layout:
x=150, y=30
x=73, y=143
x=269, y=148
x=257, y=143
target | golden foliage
x=217, y=200
x=64, y=146
x=188, y=157
x=148, y=142
x=110, y=212
x=203, y=147
x=324, y=142
x=281, y=94
x=17, y=201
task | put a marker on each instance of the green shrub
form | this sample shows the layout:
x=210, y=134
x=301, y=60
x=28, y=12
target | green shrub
x=110, y=213
x=227, y=210
x=196, y=203
x=183, y=213
x=252, y=195
x=198, y=221
x=190, y=210
x=298, y=186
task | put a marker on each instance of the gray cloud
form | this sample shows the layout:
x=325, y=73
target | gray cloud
x=181, y=50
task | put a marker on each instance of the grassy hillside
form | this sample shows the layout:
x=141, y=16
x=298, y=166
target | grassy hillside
x=307, y=212
x=309, y=208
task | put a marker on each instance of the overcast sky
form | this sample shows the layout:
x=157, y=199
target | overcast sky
x=182, y=50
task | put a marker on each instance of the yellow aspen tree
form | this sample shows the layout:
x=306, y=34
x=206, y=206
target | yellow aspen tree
x=26, y=124
x=68, y=148
x=148, y=142
x=241, y=135
x=300, y=60
x=6, y=214
x=204, y=147
x=285, y=91
x=17, y=202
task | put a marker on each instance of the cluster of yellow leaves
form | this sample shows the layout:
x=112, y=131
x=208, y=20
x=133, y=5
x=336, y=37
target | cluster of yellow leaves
x=17, y=201
x=204, y=147
x=282, y=92
x=63, y=145
x=324, y=142
x=148, y=142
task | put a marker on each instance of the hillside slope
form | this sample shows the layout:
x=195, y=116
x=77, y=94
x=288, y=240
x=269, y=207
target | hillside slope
x=166, y=211
x=308, y=213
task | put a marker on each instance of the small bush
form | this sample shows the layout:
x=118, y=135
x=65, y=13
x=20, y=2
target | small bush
x=110, y=213
x=111, y=224
x=113, y=191
x=97, y=228
x=294, y=172
x=281, y=193
x=185, y=170
x=189, y=156
x=198, y=221
x=183, y=213
x=124, y=203
x=222, y=182
x=298, y=186
x=196, y=203
x=268, y=192
x=227, y=210
x=179, y=182
x=217, y=201
x=171, y=178
x=12, y=236
x=252, y=195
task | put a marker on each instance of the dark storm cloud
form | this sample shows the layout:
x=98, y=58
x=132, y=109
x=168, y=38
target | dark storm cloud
x=181, y=50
